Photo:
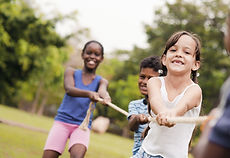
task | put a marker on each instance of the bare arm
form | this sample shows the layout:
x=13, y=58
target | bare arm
x=102, y=90
x=191, y=99
x=71, y=90
x=154, y=94
x=136, y=120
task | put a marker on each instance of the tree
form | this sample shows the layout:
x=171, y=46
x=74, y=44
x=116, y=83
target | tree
x=32, y=55
x=206, y=19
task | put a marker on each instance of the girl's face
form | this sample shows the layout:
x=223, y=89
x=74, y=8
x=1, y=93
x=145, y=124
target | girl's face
x=181, y=57
x=92, y=56
x=144, y=75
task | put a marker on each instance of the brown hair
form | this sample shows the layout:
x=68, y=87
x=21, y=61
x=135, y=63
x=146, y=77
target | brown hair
x=173, y=40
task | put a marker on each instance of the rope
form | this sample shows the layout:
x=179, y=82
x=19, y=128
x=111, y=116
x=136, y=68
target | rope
x=196, y=120
x=115, y=107
x=85, y=122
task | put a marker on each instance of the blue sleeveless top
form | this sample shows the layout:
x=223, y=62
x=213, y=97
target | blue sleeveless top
x=73, y=109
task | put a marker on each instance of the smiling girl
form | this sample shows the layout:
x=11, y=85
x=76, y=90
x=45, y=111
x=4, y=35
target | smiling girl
x=81, y=86
x=176, y=94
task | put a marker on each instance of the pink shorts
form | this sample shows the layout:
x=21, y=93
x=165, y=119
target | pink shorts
x=59, y=134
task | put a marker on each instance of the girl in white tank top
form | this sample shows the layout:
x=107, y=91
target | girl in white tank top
x=174, y=95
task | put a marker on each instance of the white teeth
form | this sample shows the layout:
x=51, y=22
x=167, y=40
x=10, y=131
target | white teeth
x=143, y=88
x=177, y=62
x=91, y=62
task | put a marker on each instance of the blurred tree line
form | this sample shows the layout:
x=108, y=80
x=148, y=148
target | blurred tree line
x=204, y=18
x=33, y=55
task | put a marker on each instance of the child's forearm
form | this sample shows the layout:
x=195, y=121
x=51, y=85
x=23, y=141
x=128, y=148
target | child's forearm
x=137, y=119
x=75, y=92
x=182, y=107
x=133, y=123
x=157, y=107
x=103, y=89
x=104, y=94
x=180, y=110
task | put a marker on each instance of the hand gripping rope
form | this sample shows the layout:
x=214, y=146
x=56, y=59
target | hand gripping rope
x=84, y=124
x=196, y=120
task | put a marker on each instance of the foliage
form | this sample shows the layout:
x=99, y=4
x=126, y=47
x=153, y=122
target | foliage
x=206, y=19
x=29, y=46
x=123, y=92
x=107, y=69
x=131, y=62
x=32, y=56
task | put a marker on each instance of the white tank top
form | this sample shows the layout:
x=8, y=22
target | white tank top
x=170, y=142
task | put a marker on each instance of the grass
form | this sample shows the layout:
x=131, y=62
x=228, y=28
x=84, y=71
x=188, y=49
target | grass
x=18, y=142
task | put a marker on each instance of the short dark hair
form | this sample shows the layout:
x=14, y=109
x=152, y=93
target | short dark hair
x=153, y=62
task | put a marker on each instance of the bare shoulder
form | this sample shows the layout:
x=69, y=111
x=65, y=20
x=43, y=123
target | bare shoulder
x=195, y=88
x=195, y=94
x=69, y=69
x=69, y=72
x=154, y=81
x=104, y=81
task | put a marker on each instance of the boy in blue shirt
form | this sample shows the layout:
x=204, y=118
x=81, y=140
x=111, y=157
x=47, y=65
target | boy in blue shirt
x=138, y=109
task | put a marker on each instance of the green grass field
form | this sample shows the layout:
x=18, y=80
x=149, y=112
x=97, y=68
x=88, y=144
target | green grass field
x=16, y=142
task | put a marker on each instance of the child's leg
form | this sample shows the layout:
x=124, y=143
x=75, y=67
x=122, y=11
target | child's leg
x=78, y=151
x=50, y=154
x=56, y=141
x=78, y=142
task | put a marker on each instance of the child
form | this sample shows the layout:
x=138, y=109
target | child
x=81, y=86
x=138, y=110
x=215, y=139
x=176, y=94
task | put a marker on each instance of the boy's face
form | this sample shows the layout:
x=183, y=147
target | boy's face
x=144, y=75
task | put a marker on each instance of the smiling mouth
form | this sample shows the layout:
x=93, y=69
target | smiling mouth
x=91, y=62
x=144, y=88
x=177, y=62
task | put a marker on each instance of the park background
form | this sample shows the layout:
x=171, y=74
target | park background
x=34, y=56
